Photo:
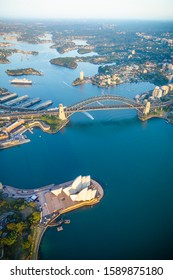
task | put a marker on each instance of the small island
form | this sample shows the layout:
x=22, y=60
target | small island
x=25, y=71
x=68, y=62
x=71, y=62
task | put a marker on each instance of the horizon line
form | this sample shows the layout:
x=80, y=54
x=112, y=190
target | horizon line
x=86, y=19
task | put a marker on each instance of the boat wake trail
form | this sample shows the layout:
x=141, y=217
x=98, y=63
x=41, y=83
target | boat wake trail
x=88, y=115
x=67, y=84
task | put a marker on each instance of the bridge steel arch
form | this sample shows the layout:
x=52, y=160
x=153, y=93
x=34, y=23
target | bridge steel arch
x=80, y=106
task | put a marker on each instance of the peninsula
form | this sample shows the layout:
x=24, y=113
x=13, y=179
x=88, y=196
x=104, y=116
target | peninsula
x=27, y=213
x=6, y=52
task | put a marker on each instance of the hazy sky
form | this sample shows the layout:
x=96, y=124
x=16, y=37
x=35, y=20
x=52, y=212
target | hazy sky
x=118, y=9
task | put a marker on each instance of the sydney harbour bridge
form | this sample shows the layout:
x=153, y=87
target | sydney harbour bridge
x=103, y=102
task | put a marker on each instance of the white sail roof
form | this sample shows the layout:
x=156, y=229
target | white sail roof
x=78, y=184
x=57, y=191
x=84, y=195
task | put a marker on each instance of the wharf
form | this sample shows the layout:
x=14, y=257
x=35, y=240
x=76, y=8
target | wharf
x=13, y=143
x=30, y=103
x=8, y=97
x=17, y=100
x=59, y=228
x=43, y=105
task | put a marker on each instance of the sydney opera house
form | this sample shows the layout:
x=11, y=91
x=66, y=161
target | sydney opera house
x=81, y=190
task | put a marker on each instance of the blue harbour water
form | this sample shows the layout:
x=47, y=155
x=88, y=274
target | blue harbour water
x=131, y=159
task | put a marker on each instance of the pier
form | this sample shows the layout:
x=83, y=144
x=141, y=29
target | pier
x=8, y=96
x=17, y=100
x=31, y=103
x=43, y=105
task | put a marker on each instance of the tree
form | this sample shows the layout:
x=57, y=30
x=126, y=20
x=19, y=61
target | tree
x=3, y=203
x=26, y=245
x=20, y=227
x=32, y=204
x=35, y=218
x=11, y=226
x=10, y=239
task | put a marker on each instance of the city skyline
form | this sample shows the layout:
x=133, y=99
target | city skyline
x=110, y=9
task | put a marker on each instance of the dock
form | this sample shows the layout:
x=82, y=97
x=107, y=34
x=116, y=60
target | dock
x=8, y=97
x=17, y=100
x=59, y=228
x=12, y=143
x=30, y=103
x=44, y=105
x=3, y=93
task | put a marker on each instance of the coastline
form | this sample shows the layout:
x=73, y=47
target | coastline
x=44, y=127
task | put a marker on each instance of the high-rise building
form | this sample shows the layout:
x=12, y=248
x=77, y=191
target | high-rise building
x=157, y=92
x=165, y=90
x=81, y=75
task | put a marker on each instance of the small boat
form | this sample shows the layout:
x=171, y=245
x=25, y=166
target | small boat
x=59, y=228
x=59, y=222
x=66, y=221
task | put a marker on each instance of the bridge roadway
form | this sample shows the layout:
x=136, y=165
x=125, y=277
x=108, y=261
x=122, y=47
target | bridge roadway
x=82, y=106
x=68, y=111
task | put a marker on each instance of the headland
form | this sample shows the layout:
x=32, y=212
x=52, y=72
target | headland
x=48, y=203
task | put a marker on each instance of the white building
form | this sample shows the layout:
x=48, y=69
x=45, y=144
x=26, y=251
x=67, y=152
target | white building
x=84, y=195
x=57, y=191
x=170, y=87
x=165, y=90
x=79, y=191
x=157, y=92
x=81, y=75
x=78, y=184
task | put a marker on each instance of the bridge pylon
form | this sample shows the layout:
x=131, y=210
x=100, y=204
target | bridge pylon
x=61, y=112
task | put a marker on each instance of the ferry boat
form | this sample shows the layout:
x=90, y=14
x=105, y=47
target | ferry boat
x=59, y=228
x=21, y=81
